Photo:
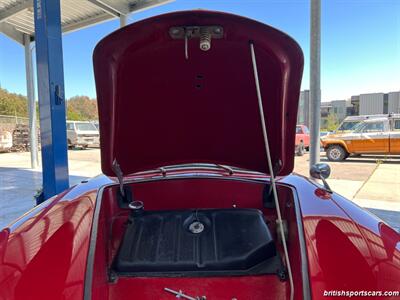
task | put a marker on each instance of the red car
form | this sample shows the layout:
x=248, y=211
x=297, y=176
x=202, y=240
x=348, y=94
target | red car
x=302, y=139
x=197, y=201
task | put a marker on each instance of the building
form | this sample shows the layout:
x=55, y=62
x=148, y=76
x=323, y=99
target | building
x=372, y=104
x=303, y=114
x=326, y=111
x=376, y=103
x=355, y=103
x=364, y=104
x=394, y=102
x=339, y=109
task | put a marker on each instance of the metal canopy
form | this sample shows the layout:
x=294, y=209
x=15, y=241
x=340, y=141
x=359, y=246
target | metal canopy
x=44, y=21
x=17, y=18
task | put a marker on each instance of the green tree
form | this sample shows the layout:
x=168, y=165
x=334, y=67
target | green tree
x=13, y=104
x=81, y=108
x=332, y=122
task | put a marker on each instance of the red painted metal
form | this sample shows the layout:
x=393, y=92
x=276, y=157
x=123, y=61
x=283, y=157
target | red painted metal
x=156, y=108
x=44, y=254
x=251, y=287
x=323, y=194
x=348, y=248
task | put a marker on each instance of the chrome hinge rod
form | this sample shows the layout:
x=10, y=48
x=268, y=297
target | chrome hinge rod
x=180, y=294
x=271, y=167
x=117, y=170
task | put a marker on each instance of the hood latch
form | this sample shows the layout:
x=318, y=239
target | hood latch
x=204, y=33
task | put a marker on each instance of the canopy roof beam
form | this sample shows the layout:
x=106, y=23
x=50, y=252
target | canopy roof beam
x=143, y=5
x=9, y=12
x=117, y=6
x=85, y=23
x=110, y=9
x=12, y=33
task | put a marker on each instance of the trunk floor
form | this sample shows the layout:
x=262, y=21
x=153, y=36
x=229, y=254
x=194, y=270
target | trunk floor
x=214, y=288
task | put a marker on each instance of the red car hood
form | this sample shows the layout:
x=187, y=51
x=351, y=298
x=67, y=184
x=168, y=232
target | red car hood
x=157, y=107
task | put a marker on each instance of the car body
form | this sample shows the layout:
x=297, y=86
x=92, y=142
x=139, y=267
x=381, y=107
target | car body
x=302, y=139
x=324, y=133
x=6, y=140
x=371, y=136
x=82, y=134
x=210, y=226
x=96, y=123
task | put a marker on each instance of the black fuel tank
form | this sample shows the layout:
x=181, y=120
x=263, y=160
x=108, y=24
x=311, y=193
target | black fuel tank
x=197, y=241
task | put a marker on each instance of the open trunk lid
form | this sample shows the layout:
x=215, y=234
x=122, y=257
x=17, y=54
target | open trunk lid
x=161, y=103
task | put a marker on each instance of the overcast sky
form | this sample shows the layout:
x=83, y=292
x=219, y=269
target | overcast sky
x=360, y=44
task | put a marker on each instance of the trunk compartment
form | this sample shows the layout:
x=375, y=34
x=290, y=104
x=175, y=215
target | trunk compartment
x=235, y=254
x=205, y=242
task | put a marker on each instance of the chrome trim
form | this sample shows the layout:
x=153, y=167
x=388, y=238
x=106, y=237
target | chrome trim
x=199, y=166
x=302, y=243
x=88, y=282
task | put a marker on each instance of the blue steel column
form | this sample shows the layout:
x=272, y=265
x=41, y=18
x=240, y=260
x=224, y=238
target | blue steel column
x=50, y=77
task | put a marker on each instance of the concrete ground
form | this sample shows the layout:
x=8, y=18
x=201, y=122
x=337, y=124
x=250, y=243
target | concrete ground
x=371, y=182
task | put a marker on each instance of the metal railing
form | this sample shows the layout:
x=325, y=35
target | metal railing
x=13, y=120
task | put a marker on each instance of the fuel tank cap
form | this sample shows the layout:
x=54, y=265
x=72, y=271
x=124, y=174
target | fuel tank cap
x=196, y=227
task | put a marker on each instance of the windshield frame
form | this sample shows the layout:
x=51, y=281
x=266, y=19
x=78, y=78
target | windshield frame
x=357, y=123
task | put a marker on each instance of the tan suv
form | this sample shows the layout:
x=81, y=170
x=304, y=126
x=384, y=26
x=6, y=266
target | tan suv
x=371, y=136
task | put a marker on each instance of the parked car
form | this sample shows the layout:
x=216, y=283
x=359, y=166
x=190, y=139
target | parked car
x=6, y=140
x=371, y=136
x=350, y=122
x=197, y=200
x=82, y=134
x=302, y=139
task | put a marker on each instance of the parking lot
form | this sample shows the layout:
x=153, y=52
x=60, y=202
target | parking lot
x=370, y=181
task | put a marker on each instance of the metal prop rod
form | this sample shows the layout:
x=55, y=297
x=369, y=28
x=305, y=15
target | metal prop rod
x=315, y=80
x=180, y=294
x=271, y=171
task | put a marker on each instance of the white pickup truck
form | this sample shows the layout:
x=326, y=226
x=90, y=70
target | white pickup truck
x=82, y=134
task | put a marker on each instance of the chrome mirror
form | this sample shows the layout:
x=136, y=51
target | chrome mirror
x=321, y=171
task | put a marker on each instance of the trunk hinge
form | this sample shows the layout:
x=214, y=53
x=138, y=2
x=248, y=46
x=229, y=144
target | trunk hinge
x=117, y=171
x=124, y=194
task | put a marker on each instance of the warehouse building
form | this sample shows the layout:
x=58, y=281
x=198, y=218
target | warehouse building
x=304, y=108
x=340, y=108
x=394, y=102
x=372, y=104
x=358, y=105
